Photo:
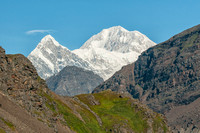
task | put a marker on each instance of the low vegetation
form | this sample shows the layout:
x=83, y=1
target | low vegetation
x=2, y=131
x=126, y=113
x=7, y=123
x=117, y=113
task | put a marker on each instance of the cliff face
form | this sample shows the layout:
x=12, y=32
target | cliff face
x=164, y=76
x=170, y=71
x=73, y=80
x=27, y=105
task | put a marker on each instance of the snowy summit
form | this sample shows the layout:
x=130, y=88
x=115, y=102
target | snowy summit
x=113, y=48
x=104, y=53
x=49, y=57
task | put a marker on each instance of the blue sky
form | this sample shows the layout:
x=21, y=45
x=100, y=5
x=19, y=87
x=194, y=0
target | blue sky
x=72, y=22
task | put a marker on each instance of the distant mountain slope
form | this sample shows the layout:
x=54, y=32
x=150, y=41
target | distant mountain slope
x=113, y=48
x=104, y=53
x=49, y=57
x=27, y=105
x=73, y=80
x=164, y=77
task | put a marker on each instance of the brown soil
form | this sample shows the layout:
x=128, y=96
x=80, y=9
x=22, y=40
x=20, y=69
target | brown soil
x=22, y=121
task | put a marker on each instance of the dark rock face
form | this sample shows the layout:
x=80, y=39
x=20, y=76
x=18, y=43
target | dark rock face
x=164, y=76
x=169, y=72
x=73, y=80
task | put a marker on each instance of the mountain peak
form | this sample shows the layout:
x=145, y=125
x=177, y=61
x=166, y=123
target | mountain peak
x=49, y=57
x=117, y=28
x=49, y=38
x=120, y=40
x=112, y=48
x=104, y=53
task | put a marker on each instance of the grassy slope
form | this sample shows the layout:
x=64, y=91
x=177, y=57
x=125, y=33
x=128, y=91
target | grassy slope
x=8, y=124
x=114, y=111
x=123, y=112
x=117, y=111
x=61, y=109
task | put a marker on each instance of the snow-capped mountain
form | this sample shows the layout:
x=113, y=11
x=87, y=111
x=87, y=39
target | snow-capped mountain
x=120, y=40
x=113, y=48
x=104, y=53
x=49, y=57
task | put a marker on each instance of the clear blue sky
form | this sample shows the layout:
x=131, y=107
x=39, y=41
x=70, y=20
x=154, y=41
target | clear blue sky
x=72, y=22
